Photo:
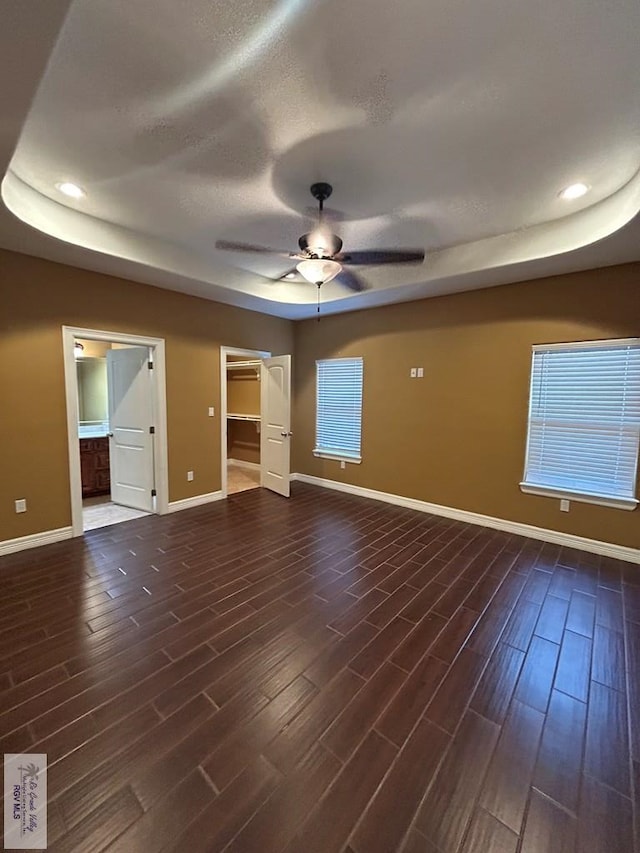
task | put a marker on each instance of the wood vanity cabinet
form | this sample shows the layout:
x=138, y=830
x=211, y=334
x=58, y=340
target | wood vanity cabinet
x=94, y=466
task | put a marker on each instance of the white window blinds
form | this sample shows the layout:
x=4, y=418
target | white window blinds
x=339, y=407
x=584, y=421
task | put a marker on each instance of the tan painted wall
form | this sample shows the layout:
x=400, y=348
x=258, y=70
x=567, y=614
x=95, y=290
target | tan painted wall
x=243, y=441
x=243, y=392
x=457, y=437
x=38, y=297
x=93, y=393
x=243, y=398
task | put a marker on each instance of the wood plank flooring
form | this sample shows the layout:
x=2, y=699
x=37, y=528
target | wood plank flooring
x=324, y=674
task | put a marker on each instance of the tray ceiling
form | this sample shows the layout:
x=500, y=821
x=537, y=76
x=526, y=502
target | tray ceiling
x=452, y=125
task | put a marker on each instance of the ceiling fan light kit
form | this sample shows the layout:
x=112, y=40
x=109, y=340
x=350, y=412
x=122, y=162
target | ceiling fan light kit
x=319, y=270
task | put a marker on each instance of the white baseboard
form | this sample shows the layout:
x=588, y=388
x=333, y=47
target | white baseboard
x=196, y=500
x=608, y=549
x=34, y=540
x=240, y=463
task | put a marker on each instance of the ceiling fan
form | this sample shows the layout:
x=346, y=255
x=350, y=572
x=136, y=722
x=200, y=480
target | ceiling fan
x=321, y=258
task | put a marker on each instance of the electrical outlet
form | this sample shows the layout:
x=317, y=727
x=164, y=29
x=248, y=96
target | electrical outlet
x=212, y=411
x=420, y=372
x=21, y=505
x=564, y=505
x=413, y=373
x=343, y=463
x=189, y=475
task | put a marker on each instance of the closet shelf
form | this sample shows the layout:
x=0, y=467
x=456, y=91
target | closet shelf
x=237, y=417
x=242, y=365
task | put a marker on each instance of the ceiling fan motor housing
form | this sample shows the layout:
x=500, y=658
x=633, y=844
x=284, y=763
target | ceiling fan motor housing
x=315, y=244
x=321, y=191
x=320, y=243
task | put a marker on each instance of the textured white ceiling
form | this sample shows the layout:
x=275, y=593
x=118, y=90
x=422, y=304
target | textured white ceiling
x=450, y=125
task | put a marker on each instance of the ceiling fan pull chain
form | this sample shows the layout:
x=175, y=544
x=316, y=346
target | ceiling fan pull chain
x=319, y=286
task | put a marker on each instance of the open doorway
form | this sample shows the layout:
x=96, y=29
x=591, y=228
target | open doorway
x=241, y=417
x=243, y=423
x=255, y=420
x=116, y=426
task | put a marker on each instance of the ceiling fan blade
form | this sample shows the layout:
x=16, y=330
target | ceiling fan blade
x=382, y=256
x=351, y=280
x=231, y=246
x=290, y=275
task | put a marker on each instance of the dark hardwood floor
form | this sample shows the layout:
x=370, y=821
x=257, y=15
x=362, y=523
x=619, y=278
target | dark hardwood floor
x=325, y=674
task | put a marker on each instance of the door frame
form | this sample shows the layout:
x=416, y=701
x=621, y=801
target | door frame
x=159, y=402
x=224, y=352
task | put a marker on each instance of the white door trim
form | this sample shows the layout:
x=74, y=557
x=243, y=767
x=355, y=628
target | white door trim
x=69, y=333
x=224, y=352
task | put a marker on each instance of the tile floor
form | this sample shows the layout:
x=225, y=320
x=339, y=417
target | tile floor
x=101, y=511
x=325, y=674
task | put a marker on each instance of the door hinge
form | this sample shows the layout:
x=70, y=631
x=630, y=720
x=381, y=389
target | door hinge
x=153, y=493
x=152, y=430
x=150, y=364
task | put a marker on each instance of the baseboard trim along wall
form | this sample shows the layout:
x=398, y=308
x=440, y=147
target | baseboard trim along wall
x=10, y=546
x=240, y=463
x=608, y=549
x=196, y=500
x=34, y=540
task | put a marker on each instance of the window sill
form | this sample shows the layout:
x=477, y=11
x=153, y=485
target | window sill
x=598, y=500
x=326, y=454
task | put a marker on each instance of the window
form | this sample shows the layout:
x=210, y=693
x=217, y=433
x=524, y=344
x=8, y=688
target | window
x=339, y=408
x=584, y=422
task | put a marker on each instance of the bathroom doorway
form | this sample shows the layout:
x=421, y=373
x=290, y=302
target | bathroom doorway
x=116, y=426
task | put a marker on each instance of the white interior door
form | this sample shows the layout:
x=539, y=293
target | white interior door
x=130, y=422
x=275, y=434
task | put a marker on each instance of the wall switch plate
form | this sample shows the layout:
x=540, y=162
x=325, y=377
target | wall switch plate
x=189, y=475
x=564, y=505
x=21, y=505
x=414, y=372
x=420, y=372
x=212, y=411
x=343, y=463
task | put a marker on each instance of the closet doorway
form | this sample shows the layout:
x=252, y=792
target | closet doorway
x=255, y=420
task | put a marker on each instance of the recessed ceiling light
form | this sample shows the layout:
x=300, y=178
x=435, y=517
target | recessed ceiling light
x=70, y=189
x=574, y=191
